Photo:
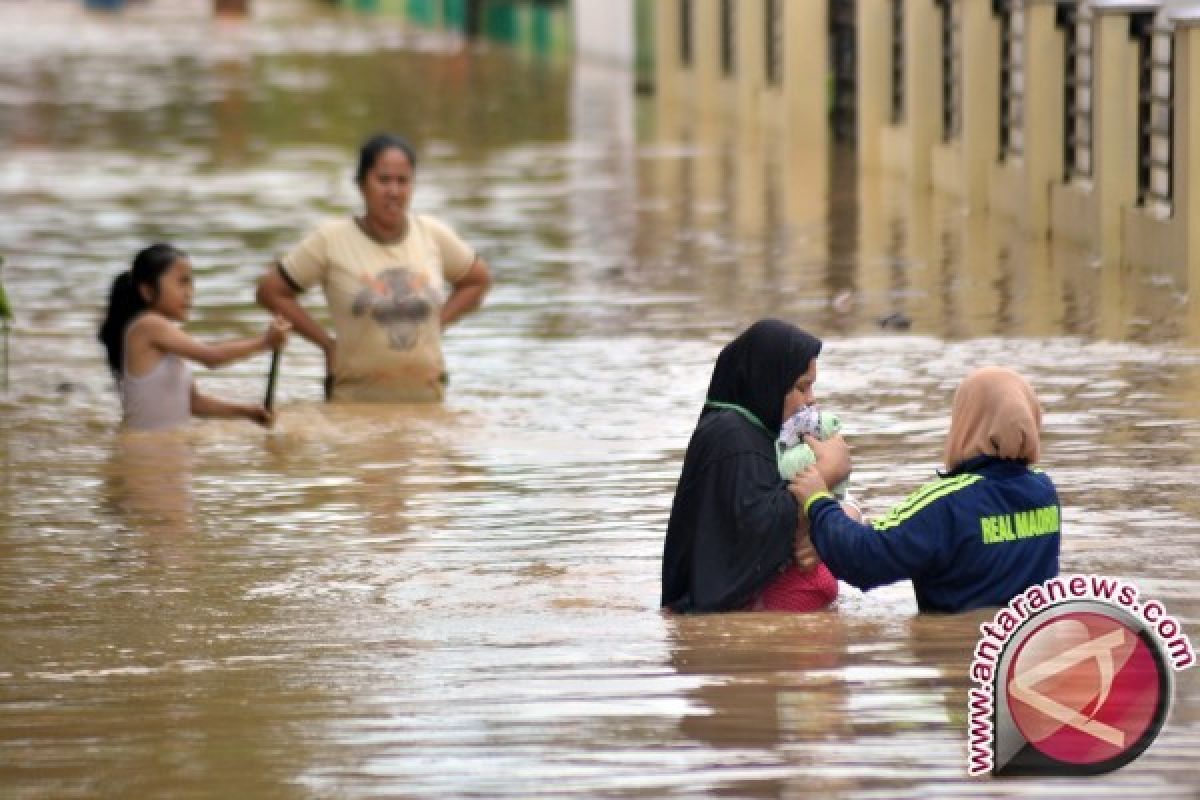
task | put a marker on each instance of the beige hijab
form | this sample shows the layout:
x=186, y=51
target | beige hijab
x=995, y=413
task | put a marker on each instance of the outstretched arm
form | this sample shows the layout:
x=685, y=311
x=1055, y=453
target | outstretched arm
x=166, y=337
x=860, y=554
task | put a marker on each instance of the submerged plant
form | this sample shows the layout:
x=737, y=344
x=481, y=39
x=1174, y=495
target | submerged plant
x=5, y=308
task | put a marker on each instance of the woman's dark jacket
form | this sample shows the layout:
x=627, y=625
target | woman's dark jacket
x=733, y=521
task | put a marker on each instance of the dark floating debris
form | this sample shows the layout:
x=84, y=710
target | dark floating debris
x=895, y=321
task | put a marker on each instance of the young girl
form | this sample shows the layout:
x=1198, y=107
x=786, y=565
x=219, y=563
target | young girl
x=146, y=347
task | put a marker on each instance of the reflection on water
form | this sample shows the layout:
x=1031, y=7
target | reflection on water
x=150, y=477
x=460, y=601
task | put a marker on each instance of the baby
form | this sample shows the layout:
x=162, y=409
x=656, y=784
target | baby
x=795, y=589
x=794, y=455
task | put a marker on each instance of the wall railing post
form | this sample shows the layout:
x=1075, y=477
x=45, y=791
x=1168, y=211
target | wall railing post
x=1074, y=20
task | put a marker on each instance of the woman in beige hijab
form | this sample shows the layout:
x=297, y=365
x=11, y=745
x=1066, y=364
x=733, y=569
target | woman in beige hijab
x=987, y=529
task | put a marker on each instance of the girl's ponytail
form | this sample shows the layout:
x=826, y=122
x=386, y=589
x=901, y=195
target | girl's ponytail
x=125, y=300
x=124, y=303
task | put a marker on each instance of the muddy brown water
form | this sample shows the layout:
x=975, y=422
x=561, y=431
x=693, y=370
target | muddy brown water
x=461, y=601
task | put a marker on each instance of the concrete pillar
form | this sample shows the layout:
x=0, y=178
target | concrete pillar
x=1114, y=120
x=981, y=100
x=806, y=73
x=706, y=55
x=872, y=27
x=805, y=128
x=922, y=87
x=750, y=73
x=668, y=44
x=601, y=30
x=1044, y=102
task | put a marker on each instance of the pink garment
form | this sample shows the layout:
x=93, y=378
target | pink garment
x=796, y=590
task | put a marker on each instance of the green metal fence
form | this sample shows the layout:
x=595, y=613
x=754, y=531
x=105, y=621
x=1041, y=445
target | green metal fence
x=541, y=27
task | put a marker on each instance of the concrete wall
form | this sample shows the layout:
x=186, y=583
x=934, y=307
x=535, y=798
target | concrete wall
x=604, y=30
x=1098, y=209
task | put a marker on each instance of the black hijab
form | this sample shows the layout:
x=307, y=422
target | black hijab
x=758, y=368
x=733, y=521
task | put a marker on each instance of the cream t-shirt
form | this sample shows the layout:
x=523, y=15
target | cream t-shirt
x=385, y=300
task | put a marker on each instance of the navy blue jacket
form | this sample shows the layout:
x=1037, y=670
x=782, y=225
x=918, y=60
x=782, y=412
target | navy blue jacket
x=977, y=537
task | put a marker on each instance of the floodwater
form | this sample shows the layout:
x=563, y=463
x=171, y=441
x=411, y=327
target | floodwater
x=461, y=601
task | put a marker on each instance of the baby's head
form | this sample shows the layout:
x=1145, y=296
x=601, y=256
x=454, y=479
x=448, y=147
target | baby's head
x=810, y=421
x=793, y=454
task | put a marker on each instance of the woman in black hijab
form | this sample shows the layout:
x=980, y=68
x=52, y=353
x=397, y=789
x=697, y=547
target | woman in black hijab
x=734, y=523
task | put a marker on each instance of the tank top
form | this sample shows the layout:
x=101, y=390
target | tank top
x=162, y=398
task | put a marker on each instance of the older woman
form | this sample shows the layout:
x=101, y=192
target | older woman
x=384, y=275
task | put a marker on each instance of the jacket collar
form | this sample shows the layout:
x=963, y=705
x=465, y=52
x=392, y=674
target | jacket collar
x=987, y=465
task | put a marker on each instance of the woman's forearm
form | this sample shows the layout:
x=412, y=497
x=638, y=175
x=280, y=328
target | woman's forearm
x=275, y=295
x=462, y=301
x=468, y=293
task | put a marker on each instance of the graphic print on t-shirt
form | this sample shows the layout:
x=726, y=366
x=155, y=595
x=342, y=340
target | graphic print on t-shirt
x=401, y=301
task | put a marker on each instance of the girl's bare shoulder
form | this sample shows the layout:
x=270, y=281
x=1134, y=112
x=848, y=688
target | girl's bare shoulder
x=148, y=322
x=148, y=328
